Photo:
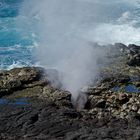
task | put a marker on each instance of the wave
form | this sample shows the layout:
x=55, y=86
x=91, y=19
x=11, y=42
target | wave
x=110, y=34
x=124, y=29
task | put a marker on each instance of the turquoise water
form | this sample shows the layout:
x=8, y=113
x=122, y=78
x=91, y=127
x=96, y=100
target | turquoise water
x=19, y=35
x=15, y=43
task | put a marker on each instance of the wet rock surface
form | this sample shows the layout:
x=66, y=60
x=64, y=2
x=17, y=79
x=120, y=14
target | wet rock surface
x=50, y=122
x=32, y=108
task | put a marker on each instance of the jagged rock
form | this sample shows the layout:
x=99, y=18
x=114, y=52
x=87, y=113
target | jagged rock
x=138, y=111
x=123, y=79
x=134, y=60
x=121, y=46
x=135, y=108
x=104, y=113
x=101, y=103
x=123, y=98
x=16, y=78
x=32, y=82
x=47, y=121
x=134, y=48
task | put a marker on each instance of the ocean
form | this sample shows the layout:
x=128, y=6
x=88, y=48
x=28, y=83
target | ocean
x=22, y=31
x=15, y=43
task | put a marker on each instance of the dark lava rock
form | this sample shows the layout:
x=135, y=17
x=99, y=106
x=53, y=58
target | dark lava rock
x=123, y=98
x=123, y=79
x=134, y=55
x=102, y=113
x=101, y=103
x=50, y=122
x=134, y=60
x=134, y=48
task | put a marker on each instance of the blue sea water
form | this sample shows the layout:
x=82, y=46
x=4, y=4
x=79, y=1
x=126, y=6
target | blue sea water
x=118, y=22
x=15, y=43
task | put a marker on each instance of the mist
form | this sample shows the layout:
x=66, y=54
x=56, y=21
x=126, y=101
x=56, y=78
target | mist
x=67, y=31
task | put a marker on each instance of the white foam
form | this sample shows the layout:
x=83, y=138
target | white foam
x=15, y=65
x=125, y=29
x=111, y=33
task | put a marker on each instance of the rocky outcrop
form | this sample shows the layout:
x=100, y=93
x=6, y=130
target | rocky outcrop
x=18, y=79
x=133, y=53
x=31, y=83
x=50, y=122
x=109, y=109
x=134, y=60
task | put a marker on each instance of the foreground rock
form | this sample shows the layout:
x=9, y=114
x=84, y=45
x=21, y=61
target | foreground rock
x=50, y=122
x=33, y=108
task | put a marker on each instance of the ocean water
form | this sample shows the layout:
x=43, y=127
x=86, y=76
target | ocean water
x=114, y=21
x=16, y=44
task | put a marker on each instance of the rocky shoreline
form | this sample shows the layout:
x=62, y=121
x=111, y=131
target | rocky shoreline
x=44, y=112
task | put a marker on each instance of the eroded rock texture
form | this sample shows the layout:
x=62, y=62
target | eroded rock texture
x=111, y=108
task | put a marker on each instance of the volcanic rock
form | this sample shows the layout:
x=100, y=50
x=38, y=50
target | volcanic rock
x=108, y=109
x=134, y=60
x=30, y=82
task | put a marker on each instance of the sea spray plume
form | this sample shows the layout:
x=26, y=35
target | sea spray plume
x=62, y=26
